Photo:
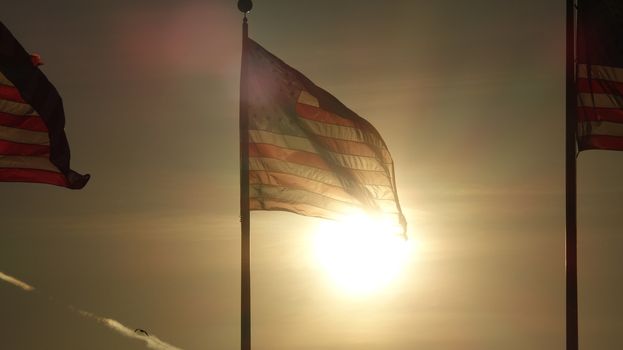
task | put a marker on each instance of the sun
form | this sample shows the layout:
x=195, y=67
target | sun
x=361, y=254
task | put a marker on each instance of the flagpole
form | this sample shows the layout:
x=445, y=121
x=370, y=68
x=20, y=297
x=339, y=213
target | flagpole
x=245, y=220
x=571, y=188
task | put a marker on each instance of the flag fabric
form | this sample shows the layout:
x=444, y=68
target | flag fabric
x=33, y=145
x=599, y=76
x=308, y=153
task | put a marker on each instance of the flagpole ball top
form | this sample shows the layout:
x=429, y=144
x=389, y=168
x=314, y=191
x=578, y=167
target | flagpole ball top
x=245, y=6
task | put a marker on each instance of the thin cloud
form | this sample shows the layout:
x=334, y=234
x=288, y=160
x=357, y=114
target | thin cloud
x=14, y=281
x=151, y=341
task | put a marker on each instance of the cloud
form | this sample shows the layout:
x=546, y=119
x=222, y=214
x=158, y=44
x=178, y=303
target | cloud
x=151, y=341
x=14, y=281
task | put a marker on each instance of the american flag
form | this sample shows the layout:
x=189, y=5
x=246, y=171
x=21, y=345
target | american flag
x=33, y=146
x=308, y=153
x=599, y=74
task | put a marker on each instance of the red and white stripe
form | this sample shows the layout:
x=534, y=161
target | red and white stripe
x=600, y=107
x=24, y=141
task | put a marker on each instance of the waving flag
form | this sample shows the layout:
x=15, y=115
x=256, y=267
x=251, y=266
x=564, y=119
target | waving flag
x=33, y=146
x=308, y=153
x=600, y=74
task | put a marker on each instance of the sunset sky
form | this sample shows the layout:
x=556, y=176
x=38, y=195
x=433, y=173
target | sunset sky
x=469, y=97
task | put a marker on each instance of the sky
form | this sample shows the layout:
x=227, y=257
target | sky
x=469, y=97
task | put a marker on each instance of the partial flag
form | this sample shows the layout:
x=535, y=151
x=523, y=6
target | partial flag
x=308, y=153
x=600, y=74
x=33, y=145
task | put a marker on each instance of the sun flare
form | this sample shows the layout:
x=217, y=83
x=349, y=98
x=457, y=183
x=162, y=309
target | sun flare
x=361, y=254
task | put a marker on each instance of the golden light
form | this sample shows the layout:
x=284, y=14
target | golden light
x=361, y=254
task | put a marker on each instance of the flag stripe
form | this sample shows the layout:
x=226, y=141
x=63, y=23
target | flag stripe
x=304, y=144
x=288, y=127
x=284, y=141
x=32, y=175
x=300, y=183
x=356, y=162
x=21, y=149
x=311, y=189
x=297, y=157
x=24, y=136
x=314, y=159
x=25, y=162
x=603, y=128
x=16, y=108
x=263, y=193
x=599, y=86
x=607, y=73
x=601, y=142
x=308, y=209
x=297, y=208
x=344, y=133
x=282, y=166
x=600, y=100
x=378, y=192
x=10, y=93
x=289, y=195
x=33, y=123
x=600, y=114
x=354, y=148
x=306, y=111
x=373, y=178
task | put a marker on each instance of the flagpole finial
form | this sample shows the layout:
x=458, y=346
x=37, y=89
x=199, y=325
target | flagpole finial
x=245, y=6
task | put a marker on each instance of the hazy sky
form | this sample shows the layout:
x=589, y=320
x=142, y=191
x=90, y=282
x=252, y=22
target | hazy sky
x=469, y=96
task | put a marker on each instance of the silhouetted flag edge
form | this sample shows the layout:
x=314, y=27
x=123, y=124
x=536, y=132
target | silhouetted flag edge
x=24, y=87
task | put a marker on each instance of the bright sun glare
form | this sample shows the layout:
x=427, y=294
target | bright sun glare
x=361, y=254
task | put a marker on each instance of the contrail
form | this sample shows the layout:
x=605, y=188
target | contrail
x=14, y=281
x=151, y=341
